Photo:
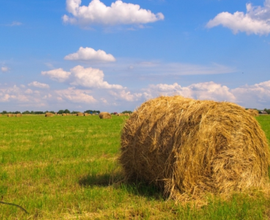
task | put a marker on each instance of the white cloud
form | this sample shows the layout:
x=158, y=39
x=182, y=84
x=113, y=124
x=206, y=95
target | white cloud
x=118, y=13
x=90, y=77
x=89, y=54
x=57, y=74
x=255, y=21
x=75, y=95
x=4, y=69
x=39, y=85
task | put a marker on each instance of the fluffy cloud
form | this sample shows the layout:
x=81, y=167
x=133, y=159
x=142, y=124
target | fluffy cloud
x=75, y=95
x=80, y=76
x=89, y=54
x=39, y=85
x=118, y=13
x=4, y=69
x=256, y=20
x=207, y=90
x=57, y=74
x=90, y=77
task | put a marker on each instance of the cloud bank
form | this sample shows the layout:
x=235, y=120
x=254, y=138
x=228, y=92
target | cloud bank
x=256, y=20
x=253, y=96
x=97, y=13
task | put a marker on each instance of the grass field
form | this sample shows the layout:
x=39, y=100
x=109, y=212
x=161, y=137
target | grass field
x=66, y=168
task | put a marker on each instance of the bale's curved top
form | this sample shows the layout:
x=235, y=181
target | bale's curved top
x=188, y=147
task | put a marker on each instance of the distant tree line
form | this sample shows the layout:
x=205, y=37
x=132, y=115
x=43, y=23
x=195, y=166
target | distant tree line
x=59, y=112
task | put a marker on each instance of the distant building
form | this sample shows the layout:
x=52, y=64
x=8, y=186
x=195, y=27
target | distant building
x=263, y=113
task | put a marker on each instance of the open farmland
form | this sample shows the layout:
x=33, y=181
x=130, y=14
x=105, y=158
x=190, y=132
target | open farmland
x=66, y=168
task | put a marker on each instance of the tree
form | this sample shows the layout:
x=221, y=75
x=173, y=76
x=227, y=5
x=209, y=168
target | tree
x=127, y=112
x=66, y=111
x=60, y=112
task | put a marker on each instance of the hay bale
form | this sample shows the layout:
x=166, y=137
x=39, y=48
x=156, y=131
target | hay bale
x=10, y=115
x=86, y=114
x=18, y=115
x=49, y=114
x=64, y=114
x=0, y=115
x=79, y=114
x=105, y=115
x=189, y=147
x=253, y=112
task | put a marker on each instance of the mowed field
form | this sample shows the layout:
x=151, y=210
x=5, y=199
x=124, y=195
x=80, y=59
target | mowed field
x=67, y=168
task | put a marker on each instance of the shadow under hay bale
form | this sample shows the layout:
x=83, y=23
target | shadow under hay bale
x=189, y=148
x=104, y=115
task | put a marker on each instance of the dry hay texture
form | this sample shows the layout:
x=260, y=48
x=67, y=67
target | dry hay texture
x=18, y=115
x=79, y=114
x=104, y=115
x=10, y=115
x=189, y=148
x=49, y=114
x=253, y=112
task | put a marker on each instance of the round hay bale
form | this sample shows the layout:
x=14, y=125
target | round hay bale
x=86, y=114
x=64, y=114
x=189, y=147
x=18, y=115
x=79, y=114
x=104, y=115
x=49, y=114
x=10, y=115
x=253, y=112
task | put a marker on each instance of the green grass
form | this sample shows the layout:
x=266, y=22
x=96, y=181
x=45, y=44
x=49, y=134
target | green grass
x=66, y=168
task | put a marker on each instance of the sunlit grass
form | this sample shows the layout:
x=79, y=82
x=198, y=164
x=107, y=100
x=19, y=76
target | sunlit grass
x=66, y=168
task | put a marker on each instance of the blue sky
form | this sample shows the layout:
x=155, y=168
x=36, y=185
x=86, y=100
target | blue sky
x=114, y=55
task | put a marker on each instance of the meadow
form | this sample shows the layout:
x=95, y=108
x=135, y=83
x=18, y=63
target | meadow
x=67, y=168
